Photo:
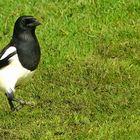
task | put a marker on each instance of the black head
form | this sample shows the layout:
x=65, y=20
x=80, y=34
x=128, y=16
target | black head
x=24, y=23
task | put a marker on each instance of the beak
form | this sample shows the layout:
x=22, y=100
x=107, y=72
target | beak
x=35, y=23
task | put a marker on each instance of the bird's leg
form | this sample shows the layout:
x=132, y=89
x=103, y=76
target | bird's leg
x=10, y=97
x=22, y=103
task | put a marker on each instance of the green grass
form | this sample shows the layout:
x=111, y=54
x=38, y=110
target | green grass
x=87, y=85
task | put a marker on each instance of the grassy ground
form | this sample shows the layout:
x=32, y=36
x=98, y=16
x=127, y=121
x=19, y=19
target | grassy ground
x=87, y=86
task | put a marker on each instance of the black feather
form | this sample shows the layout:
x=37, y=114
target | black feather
x=26, y=43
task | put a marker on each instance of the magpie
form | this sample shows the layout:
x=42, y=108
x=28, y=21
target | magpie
x=20, y=58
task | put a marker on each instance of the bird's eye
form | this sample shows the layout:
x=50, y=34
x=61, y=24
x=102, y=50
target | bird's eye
x=26, y=21
x=23, y=22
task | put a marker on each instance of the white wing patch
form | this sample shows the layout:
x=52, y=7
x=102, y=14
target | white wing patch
x=8, y=51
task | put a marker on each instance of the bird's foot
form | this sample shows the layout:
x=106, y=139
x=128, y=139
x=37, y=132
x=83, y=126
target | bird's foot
x=22, y=103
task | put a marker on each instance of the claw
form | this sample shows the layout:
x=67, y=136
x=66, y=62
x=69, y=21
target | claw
x=22, y=103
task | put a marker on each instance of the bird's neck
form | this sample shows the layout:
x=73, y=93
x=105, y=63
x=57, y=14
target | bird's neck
x=24, y=35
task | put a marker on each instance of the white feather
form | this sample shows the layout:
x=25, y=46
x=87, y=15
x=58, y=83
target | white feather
x=8, y=51
x=13, y=73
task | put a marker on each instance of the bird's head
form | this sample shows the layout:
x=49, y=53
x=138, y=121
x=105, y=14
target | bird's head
x=25, y=23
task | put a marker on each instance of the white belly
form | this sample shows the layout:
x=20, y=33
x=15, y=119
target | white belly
x=12, y=74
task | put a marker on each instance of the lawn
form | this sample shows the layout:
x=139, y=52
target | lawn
x=87, y=86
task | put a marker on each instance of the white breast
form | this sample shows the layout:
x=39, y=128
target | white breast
x=13, y=73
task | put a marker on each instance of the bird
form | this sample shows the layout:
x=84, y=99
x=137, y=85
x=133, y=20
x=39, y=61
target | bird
x=20, y=58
